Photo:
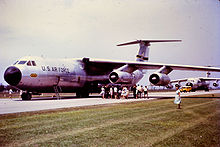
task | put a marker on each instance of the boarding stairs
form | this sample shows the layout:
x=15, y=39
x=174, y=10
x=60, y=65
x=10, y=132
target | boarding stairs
x=57, y=90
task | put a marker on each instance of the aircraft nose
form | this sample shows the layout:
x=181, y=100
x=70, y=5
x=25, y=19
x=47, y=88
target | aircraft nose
x=12, y=75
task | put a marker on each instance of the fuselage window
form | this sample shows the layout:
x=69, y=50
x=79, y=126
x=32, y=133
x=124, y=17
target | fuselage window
x=22, y=62
x=33, y=63
x=29, y=63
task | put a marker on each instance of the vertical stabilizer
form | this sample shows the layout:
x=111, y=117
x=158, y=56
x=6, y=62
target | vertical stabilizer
x=143, y=53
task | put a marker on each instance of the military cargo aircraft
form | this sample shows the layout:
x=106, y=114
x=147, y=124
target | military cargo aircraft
x=200, y=83
x=39, y=75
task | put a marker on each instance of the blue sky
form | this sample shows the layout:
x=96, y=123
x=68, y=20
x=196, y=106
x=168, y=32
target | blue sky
x=93, y=28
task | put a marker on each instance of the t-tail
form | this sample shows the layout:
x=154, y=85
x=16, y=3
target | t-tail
x=143, y=53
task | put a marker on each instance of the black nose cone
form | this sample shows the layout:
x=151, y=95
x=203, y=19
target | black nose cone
x=12, y=75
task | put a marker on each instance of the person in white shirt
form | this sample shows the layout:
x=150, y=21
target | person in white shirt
x=111, y=92
x=10, y=93
x=125, y=92
x=139, y=91
x=116, y=92
x=177, y=99
x=102, y=92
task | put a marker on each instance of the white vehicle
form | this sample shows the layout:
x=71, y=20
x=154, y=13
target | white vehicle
x=38, y=75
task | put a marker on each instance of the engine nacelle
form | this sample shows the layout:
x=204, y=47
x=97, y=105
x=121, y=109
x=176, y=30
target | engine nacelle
x=189, y=84
x=215, y=84
x=159, y=79
x=169, y=86
x=121, y=77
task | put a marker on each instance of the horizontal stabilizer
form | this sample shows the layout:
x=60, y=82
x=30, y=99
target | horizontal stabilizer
x=147, y=42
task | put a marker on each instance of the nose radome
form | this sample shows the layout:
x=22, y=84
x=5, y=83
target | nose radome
x=12, y=75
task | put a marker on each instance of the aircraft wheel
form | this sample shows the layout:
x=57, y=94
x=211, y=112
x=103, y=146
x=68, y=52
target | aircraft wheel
x=207, y=89
x=85, y=94
x=26, y=96
x=78, y=94
x=82, y=93
x=29, y=96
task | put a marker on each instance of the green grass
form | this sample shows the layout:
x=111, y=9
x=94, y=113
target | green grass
x=151, y=123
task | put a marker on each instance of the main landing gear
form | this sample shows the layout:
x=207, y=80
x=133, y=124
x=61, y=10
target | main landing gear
x=82, y=94
x=26, y=96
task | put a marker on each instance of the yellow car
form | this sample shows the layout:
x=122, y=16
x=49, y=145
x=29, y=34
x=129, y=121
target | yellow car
x=186, y=89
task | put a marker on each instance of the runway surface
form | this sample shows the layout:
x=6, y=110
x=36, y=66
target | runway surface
x=16, y=105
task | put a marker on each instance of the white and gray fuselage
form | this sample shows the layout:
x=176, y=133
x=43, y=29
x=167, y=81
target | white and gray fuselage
x=37, y=74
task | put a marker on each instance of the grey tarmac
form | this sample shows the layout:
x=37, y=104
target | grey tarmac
x=16, y=105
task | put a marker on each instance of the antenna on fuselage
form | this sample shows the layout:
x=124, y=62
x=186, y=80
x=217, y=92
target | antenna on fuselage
x=143, y=53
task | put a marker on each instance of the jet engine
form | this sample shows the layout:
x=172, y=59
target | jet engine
x=120, y=77
x=189, y=84
x=159, y=79
x=215, y=84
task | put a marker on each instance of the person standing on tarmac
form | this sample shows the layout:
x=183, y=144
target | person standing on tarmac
x=134, y=91
x=111, y=92
x=116, y=92
x=139, y=91
x=125, y=93
x=177, y=99
x=102, y=92
x=107, y=89
x=119, y=92
x=145, y=92
x=10, y=93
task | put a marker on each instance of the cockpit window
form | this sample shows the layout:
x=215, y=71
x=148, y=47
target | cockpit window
x=33, y=63
x=29, y=63
x=15, y=62
x=22, y=62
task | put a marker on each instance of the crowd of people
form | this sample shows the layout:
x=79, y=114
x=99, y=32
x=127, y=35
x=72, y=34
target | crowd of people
x=117, y=92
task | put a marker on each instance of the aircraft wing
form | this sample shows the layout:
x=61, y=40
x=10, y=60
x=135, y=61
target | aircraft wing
x=105, y=66
x=201, y=78
x=209, y=79
x=179, y=80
